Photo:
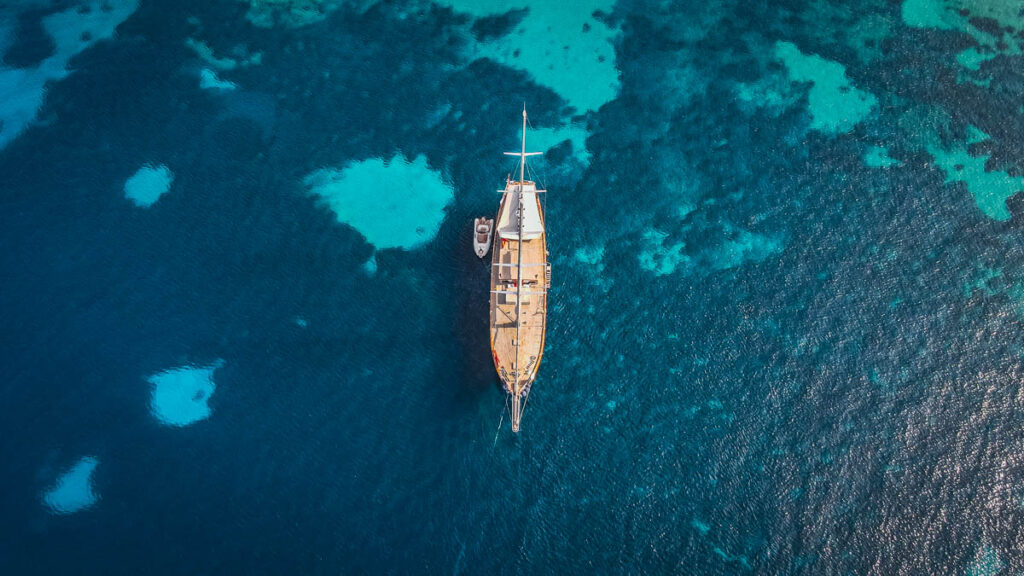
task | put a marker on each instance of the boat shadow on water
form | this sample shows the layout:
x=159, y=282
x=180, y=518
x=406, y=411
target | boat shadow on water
x=472, y=274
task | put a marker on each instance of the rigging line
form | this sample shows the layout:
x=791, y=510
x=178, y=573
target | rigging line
x=544, y=199
x=500, y=421
x=544, y=181
x=519, y=252
x=506, y=315
x=526, y=400
x=539, y=176
x=515, y=166
x=543, y=185
x=541, y=181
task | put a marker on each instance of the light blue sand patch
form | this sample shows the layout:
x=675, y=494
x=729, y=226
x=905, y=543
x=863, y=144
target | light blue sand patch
x=990, y=190
x=975, y=135
x=868, y=34
x=180, y=396
x=878, y=157
x=741, y=560
x=661, y=257
x=1016, y=294
x=986, y=562
x=836, y=105
x=222, y=63
x=926, y=14
x=206, y=54
x=700, y=526
x=22, y=89
x=592, y=256
x=148, y=184
x=73, y=490
x=743, y=247
x=957, y=15
x=561, y=44
x=296, y=13
x=771, y=92
x=208, y=80
x=979, y=280
x=370, y=266
x=544, y=139
x=972, y=58
x=396, y=203
x=21, y=95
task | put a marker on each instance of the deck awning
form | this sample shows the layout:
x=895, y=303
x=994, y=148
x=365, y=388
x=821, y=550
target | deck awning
x=508, y=222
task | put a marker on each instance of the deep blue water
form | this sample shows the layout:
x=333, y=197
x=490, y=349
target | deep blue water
x=785, y=360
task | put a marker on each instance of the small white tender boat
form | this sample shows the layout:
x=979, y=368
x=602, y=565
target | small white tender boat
x=483, y=230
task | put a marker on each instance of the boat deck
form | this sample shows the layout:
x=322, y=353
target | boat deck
x=533, y=309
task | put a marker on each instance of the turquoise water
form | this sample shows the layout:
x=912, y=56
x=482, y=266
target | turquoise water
x=245, y=332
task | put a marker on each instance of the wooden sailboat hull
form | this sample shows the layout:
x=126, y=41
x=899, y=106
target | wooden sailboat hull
x=517, y=361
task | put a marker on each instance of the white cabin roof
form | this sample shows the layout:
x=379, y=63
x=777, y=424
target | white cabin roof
x=508, y=223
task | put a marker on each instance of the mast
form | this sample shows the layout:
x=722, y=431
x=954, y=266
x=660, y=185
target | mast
x=514, y=387
x=516, y=413
x=522, y=158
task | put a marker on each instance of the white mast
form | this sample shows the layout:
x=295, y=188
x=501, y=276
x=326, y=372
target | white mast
x=519, y=283
x=515, y=387
x=522, y=154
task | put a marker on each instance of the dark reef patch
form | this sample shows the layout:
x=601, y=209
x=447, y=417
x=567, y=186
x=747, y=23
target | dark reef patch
x=496, y=26
x=31, y=43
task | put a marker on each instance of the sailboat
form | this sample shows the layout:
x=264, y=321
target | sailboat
x=520, y=278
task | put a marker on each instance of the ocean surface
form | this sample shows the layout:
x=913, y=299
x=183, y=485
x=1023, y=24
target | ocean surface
x=243, y=330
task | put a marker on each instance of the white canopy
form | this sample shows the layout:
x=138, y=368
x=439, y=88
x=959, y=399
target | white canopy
x=508, y=221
